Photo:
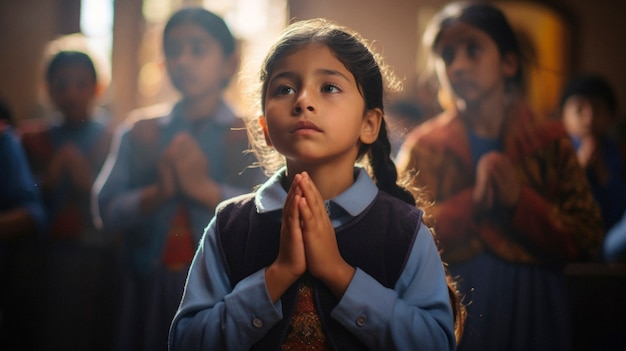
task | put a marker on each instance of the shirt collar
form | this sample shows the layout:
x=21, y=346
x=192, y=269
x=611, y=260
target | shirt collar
x=271, y=195
x=223, y=114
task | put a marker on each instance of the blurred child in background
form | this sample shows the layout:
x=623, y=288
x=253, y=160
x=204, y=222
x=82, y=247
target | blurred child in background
x=65, y=154
x=511, y=204
x=166, y=173
x=22, y=226
x=589, y=113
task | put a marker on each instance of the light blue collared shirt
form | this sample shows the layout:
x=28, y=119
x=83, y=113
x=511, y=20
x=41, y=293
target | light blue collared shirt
x=415, y=315
x=119, y=187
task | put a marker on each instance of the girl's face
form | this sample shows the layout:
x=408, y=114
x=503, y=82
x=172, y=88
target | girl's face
x=72, y=89
x=584, y=116
x=468, y=62
x=195, y=61
x=314, y=112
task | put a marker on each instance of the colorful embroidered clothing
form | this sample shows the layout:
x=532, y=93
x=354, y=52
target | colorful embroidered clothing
x=556, y=219
x=508, y=262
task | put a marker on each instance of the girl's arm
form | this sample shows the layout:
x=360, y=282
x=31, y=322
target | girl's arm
x=416, y=315
x=27, y=215
x=214, y=316
x=442, y=175
x=119, y=206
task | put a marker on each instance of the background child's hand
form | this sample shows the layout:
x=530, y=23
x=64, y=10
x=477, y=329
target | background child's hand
x=323, y=258
x=587, y=150
x=68, y=160
x=190, y=164
x=191, y=170
x=507, y=186
x=496, y=182
x=483, y=195
x=166, y=182
x=78, y=167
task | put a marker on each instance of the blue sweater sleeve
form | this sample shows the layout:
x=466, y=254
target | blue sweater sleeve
x=214, y=316
x=19, y=189
x=117, y=204
x=416, y=315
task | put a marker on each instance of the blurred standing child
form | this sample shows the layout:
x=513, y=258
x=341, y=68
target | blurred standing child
x=322, y=256
x=22, y=225
x=166, y=174
x=511, y=204
x=589, y=111
x=65, y=157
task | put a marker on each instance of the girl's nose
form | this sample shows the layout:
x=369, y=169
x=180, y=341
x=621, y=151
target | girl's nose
x=304, y=102
x=459, y=63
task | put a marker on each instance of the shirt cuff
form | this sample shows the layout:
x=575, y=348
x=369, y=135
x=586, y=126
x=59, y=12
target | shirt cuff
x=365, y=307
x=250, y=303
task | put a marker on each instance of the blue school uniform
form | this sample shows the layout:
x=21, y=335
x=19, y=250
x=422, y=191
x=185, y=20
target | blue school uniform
x=415, y=314
x=152, y=288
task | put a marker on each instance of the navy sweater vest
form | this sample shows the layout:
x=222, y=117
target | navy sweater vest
x=378, y=241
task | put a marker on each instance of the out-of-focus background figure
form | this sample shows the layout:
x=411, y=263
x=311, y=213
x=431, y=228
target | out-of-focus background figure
x=22, y=229
x=167, y=172
x=511, y=205
x=66, y=150
x=588, y=108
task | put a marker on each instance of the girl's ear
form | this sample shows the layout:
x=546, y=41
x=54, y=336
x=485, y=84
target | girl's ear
x=263, y=124
x=371, y=126
x=510, y=64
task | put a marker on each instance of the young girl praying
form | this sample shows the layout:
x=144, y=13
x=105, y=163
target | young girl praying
x=511, y=204
x=330, y=253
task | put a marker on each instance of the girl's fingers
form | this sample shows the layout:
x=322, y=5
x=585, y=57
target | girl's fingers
x=313, y=197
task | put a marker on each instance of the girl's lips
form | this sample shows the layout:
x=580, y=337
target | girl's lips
x=305, y=125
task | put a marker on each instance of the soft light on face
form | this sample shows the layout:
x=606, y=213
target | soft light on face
x=314, y=111
x=583, y=116
x=469, y=64
x=73, y=90
x=195, y=61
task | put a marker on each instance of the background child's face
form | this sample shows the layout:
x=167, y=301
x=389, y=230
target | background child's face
x=195, y=61
x=585, y=116
x=469, y=63
x=72, y=90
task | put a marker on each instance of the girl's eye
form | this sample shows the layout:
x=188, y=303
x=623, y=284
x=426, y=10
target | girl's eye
x=173, y=49
x=473, y=49
x=284, y=90
x=447, y=55
x=331, y=88
x=199, y=49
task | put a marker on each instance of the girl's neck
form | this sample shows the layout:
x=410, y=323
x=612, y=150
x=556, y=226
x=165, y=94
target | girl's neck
x=330, y=180
x=200, y=108
x=486, y=118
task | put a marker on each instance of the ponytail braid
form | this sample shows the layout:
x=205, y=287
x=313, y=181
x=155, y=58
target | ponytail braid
x=386, y=176
x=384, y=169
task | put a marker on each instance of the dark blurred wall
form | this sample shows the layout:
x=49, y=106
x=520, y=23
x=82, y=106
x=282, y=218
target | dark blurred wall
x=26, y=26
x=599, y=30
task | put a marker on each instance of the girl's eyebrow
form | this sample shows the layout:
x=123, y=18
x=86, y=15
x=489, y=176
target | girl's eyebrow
x=331, y=72
x=320, y=72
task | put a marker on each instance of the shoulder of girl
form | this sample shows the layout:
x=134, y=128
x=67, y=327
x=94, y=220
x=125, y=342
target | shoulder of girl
x=143, y=122
x=432, y=130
